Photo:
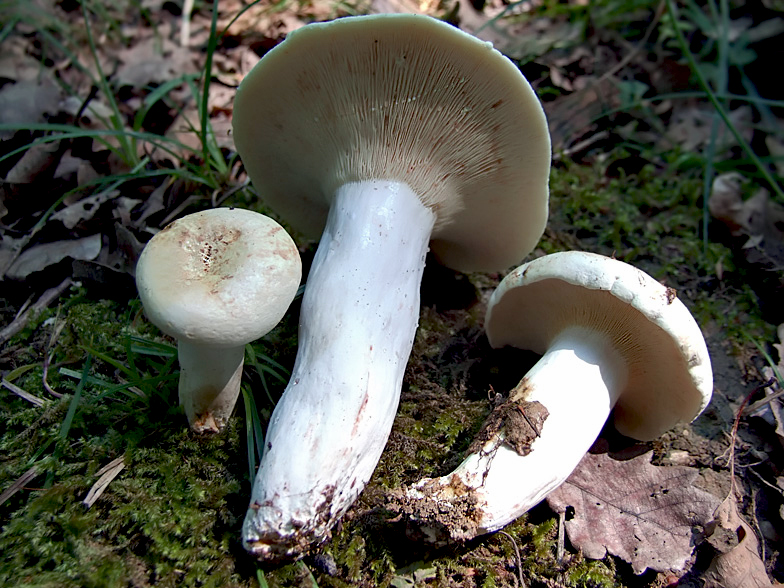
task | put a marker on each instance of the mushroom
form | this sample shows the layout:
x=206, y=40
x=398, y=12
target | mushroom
x=216, y=280
x=386, y=132
x=611, y=336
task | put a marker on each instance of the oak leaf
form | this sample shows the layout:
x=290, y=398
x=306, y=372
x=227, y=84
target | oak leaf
x=738, y=564
x=644, y=514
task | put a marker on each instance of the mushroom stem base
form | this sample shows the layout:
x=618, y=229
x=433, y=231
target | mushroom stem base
x=209, y=384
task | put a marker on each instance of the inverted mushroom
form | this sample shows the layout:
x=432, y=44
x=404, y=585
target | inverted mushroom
x=610, y=336
x=387, y=132
x=215, y=281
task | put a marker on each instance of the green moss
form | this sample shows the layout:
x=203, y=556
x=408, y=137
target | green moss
x=653, y=220
x=591, y=574
x=169, y=518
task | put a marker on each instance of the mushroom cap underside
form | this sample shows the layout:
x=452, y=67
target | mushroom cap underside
x=405, y=98
x=219, y=277
x=670, y=378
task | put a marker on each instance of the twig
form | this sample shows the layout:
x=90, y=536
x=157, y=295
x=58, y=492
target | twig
x=21, y=393
x=182, y=206
x=580, y=146
x=762, y=402
x=638, y=47
x=757, y=527
x=519, y=577
x=47, y=360
x=734, y=432
x=218, y=200
x=108, y=473
x=559, y=554
x=45, y=300
x=19, y=483
x=185, y=29
x=764, y=481
x=58, y=328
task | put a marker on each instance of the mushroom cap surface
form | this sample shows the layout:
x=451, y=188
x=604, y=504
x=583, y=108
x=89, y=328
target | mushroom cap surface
x=408, y=98
x=221, y=277
x=669, y=371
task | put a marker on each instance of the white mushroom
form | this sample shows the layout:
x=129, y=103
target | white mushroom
x=387, y=132
x=611, y=336
x=216, y=280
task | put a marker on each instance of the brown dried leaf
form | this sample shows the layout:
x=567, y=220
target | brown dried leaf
x=16, y=65
x=690, y=128
x=35, y=162
x=642, y=513
x=27, y=102
x=740, y=566
x=42, y=256
x=84, y=209
x=153, y=61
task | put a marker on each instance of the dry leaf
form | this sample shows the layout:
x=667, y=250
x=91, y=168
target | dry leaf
x=771, y=408
x=739, y=564
x=40, y=257
x=34, y=163
x=83, y=209
x=690, y=128
x=9, y=251
x=18, y=67
x=642, y=513
x=153, y=61
x=27, y=102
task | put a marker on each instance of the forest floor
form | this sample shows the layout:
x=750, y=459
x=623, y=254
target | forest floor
x=107, y=134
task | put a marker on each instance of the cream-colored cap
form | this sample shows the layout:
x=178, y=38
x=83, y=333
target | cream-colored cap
x=408, y=98
x=221, y=277
x=669, y=370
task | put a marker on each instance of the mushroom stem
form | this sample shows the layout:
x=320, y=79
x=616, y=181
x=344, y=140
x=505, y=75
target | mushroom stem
x=210, y=379
x=578, y=380
x=357, y=323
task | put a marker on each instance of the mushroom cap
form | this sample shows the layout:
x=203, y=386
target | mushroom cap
x=221, y=277
x=669, y=371
x=408, y=98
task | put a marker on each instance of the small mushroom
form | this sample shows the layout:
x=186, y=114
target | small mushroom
x=610, y=336
x=387, y=133
x=216, y=280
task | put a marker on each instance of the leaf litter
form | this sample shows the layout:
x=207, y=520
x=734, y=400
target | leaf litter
x=645, y=514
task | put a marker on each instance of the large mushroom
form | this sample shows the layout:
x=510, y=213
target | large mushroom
x=387, y=133
x=216, y=280
x=610, y=336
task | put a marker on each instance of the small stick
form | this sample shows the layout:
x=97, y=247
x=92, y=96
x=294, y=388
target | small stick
x=19, y=483
x=734, y=432
x=108, y=473
x=185, y=29
x=519, y=577
x=19, y=323
x=58, y=327
x=22, y=393
x=559, y=554
x=762, y=402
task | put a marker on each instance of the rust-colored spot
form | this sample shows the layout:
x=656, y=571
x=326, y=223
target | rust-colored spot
x=361, y=411
x=205, y=423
